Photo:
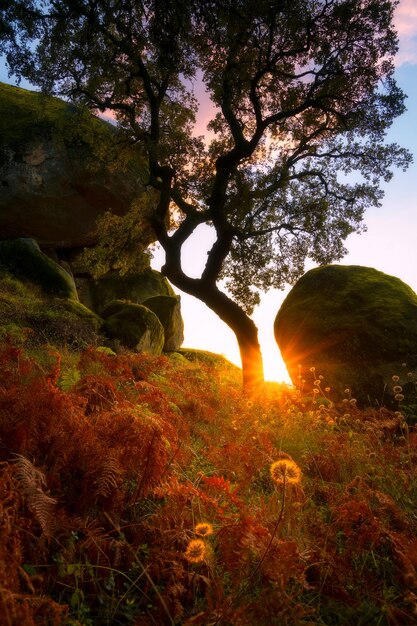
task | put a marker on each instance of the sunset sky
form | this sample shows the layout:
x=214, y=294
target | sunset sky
x=389, y=245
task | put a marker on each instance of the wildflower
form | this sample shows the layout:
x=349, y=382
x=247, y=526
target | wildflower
x=312, y=369
x=285, y=470
x=395, y=379
x=327, y=389
x=410, y=374
x=403, y=364
x=317, y=382
x=321, y=377
x=203, y=529
x=249, y=404
x=397, y=389
x=315, y=390
x=347, y=391
x=196, y=551
x=399, y=397
x=353, y=401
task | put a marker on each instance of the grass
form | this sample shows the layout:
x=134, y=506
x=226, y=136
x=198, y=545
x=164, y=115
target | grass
x=111, y=463
x=337, y=547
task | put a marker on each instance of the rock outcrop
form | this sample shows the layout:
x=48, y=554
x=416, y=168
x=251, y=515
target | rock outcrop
x=60, y=169
x=168, y=311
x=98, y=293
x=356, y=326
x=134, y=326
x=24, y=259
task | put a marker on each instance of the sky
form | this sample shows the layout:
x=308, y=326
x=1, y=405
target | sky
x=389, y=245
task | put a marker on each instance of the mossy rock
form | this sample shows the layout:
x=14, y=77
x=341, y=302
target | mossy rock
x=28, y=315
x=61, y=168
x=168, y=311
x=23, y=258
x=136, y=288
x=136, y=327
x=355, y=325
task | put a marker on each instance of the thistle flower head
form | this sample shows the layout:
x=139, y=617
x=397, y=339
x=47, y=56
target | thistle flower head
x=196, y=551
x=203, y=529
x=285, y=470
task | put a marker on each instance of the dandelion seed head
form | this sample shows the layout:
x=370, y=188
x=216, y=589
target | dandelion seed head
x=196, y=551
x=285, y=470
x=203, y=529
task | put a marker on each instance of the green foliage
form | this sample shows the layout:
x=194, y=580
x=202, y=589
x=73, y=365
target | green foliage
x=123, y=240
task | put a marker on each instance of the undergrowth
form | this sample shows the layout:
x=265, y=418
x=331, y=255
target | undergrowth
x=150, y=490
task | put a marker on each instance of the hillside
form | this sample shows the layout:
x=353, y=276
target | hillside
x=150, y=490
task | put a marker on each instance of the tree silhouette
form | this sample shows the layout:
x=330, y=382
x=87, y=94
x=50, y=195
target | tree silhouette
x=303, y=92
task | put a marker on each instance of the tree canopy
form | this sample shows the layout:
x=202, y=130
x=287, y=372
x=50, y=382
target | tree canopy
x=302, y=93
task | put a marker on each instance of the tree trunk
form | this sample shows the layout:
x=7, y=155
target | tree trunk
x=234, y=316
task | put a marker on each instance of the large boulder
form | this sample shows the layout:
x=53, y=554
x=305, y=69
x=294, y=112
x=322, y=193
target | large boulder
x=60, y=169
x=168, y=311
x=98, y=293
x=134, y=326
x=27, y=314
x=356, y=326
x=24, y=259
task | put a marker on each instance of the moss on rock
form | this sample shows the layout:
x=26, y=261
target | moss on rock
x=168, y=311
x=23, y=258
x=355, y=325
x=61, y=168
x=28, y=315
x=136, y=327
x=134, y=288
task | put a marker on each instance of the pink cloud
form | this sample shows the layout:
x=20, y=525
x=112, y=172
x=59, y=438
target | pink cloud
x=405, y=22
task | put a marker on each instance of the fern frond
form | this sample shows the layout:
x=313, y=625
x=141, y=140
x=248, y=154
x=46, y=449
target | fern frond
x=33, y=482
x=110, y=477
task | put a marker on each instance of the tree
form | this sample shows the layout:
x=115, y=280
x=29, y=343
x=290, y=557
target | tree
x=303, y=92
